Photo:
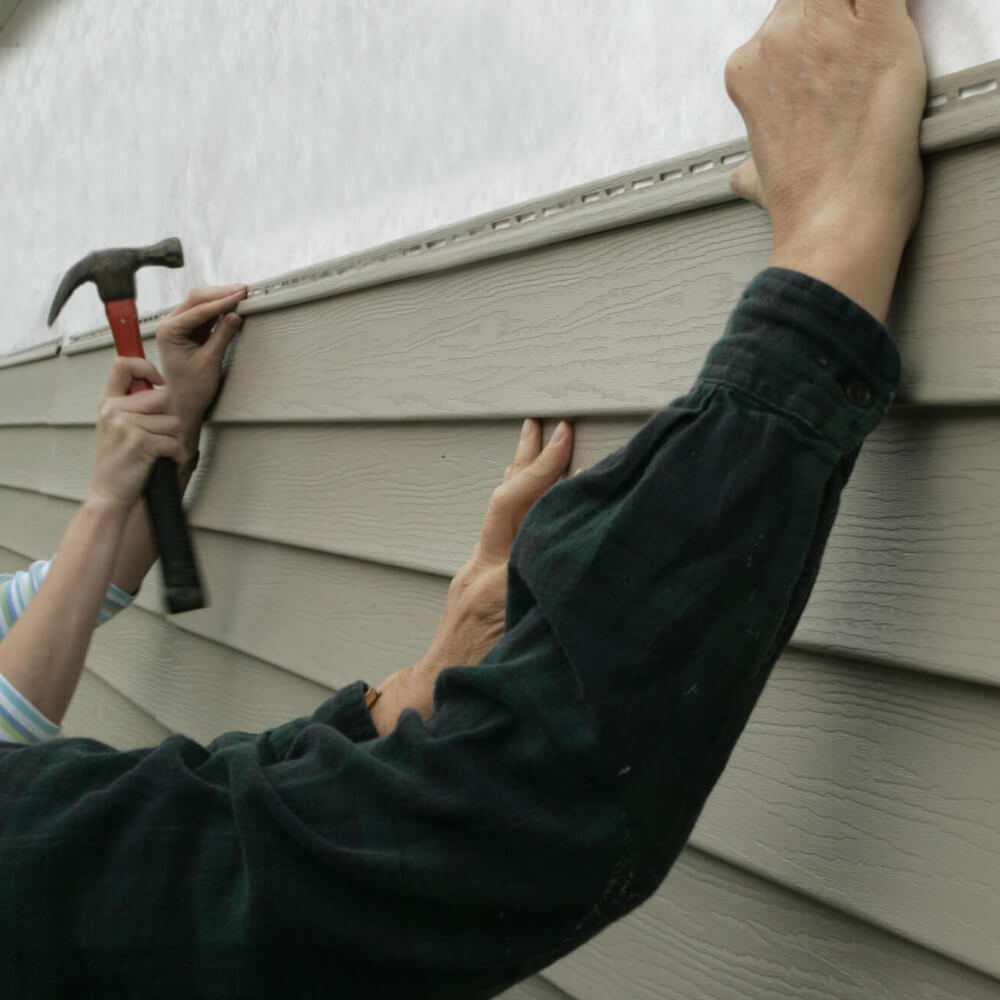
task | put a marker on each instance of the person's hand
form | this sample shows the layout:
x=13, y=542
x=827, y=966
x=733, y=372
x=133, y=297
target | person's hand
x=132, y=432
x=832, y=93
x=192, y=340
x=473, y=619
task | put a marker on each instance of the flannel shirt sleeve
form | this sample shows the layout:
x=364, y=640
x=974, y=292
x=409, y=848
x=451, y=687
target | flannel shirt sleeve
x=554, y=784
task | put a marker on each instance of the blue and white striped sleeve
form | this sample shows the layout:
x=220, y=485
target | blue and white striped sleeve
x=20, y=721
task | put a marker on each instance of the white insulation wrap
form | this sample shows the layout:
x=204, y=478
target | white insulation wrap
x=275, y=135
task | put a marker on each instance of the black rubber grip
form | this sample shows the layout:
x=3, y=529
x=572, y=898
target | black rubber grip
x=181, y=580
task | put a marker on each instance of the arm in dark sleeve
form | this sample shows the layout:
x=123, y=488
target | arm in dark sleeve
x=554, y=784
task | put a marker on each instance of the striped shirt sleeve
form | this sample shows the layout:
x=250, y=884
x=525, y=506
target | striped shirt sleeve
x=20, y=721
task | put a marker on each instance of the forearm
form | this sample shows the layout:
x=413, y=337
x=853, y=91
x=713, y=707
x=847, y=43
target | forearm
x=42, y=655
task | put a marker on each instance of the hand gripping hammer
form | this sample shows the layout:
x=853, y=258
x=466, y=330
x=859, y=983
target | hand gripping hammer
x=113, y=271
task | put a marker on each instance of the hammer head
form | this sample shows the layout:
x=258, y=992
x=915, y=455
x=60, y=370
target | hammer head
x=113, y=271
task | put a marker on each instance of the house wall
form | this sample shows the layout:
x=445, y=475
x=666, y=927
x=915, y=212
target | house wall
x=274, y=134
x=852, y=848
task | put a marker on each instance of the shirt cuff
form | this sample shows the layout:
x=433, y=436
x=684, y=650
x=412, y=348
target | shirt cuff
x=20, y=721
x=115, y=600
x=347, y=712
x=805, y=349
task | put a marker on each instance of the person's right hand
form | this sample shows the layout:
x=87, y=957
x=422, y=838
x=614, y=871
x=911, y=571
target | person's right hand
x=132, y=432
x=832, y=93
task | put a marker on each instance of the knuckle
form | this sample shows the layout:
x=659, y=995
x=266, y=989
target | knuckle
x=736, y=71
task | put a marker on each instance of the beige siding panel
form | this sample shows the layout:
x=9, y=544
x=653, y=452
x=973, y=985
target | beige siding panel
x=195, y=686
x=99, y=712
x=32, y=524
x=328, y=619
x=714, y=932
x=877, y=791
x=27, y=391
x=47, y=459
x=911, y=573
x=80, y=379
x=618, y=322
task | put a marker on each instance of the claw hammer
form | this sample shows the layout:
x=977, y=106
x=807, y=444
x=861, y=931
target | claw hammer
x=113, y=271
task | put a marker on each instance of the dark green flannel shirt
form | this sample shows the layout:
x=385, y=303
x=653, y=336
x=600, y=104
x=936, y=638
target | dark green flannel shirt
x=555, y=783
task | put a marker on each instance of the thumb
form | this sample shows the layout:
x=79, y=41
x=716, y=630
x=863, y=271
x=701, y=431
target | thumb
x=127, y=370
x=745, y=182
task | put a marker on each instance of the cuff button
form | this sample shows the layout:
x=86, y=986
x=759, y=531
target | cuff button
x=859, y=394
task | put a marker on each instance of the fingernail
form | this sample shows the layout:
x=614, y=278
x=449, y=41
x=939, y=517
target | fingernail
x=525, y=427
x=233, y=319
x=561, y=431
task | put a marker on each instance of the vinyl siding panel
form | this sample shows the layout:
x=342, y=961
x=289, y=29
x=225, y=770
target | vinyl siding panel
x=911, y=573
x=714, y=932
x=608, y=323
x=852, y=848
x=99, y=712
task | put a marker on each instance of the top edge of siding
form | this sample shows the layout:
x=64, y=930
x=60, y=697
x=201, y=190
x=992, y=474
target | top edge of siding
x=963, y=109
x=48, y=349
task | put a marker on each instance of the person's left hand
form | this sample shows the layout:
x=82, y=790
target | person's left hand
x=192, y=340
x=473, y=619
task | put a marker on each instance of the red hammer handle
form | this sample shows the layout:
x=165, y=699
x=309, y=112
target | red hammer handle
x=181, y=580
x=124, y=322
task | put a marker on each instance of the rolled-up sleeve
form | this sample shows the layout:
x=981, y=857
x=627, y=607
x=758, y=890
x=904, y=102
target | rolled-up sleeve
x=553, y=785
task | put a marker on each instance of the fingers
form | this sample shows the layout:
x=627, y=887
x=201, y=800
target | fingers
x=192, y=321
x=205, y=294
x=534, y=471
x=125, y=371
x=529, y=447
x=204, y=312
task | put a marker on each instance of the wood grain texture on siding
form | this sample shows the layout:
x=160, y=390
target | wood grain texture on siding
x=877, y=791
x=714, y=932
x=325, y=618
x=911, y=573
x=26, y=391
x=99, y=712
x=615, y=322
x=195, y=686
x=873, y=789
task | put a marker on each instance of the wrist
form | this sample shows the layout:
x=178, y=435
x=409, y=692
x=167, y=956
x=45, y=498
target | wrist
x=102, y=507
x=860, y=258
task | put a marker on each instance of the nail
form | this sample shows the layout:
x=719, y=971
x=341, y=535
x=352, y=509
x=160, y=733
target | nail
x=561, y=431
x=525, y=428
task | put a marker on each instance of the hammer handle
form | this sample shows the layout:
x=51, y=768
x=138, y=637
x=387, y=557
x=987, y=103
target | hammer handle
x=181, y=580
